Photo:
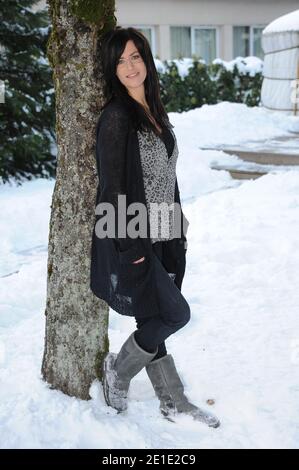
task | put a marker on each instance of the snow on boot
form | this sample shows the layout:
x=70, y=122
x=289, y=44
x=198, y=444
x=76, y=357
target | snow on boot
x=119, y=369
x=170, y=391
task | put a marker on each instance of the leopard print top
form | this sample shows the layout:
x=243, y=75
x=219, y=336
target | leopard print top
x=159, y=174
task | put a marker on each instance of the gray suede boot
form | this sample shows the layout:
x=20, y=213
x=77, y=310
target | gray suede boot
x=119, y=369
x=170, y=391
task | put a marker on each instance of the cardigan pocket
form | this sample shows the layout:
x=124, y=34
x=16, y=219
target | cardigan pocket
x=135, y=252
x=133, y=276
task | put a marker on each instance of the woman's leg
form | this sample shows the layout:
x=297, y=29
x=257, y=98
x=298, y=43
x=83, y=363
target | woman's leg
x=158, y=250
x=174, y=312
x=146, y=343
x=162, y=351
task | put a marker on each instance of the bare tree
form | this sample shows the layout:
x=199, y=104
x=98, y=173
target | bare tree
x=76, y=321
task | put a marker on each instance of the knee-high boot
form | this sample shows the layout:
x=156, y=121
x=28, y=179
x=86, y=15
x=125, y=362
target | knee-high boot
x=170, y=391
x=119, y=369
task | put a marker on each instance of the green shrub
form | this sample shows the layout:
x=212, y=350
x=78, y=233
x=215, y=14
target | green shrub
x=207, y=84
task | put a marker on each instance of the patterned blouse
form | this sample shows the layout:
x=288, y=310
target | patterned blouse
x=158, y=163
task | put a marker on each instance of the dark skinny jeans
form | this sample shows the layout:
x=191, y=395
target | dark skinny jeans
x=174, y=310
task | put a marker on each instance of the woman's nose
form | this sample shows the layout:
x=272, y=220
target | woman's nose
x=130, y=66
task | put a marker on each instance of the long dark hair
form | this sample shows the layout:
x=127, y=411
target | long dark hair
x=113, y=44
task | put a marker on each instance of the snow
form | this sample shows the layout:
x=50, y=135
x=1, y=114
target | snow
x=235, y=123
x=183, y=65
x=241, y=346
x=288, y=22
x=250, y=65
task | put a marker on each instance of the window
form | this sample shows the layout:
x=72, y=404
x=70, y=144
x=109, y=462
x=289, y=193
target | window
x=257, y=42
x=180, y=40
x=241, y=41
x=187, y=41
x=247, y=41
x=205, y=43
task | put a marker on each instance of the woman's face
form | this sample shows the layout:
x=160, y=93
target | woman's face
x=131, y=73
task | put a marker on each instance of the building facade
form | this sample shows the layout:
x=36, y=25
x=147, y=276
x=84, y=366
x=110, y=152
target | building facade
x=207, y=29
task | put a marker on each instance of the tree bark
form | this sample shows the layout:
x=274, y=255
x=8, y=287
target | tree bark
x=76, y=338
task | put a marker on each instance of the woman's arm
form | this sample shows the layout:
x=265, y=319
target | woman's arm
x=111, y=148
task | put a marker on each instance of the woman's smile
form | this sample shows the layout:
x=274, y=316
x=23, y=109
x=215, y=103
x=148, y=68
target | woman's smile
x=132, y=75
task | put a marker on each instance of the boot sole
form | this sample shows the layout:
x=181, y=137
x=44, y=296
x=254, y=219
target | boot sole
x=173, y=420
x=105, y=384
x=110, y=357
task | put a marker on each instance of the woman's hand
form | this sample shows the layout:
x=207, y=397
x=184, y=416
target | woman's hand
x=139, y=260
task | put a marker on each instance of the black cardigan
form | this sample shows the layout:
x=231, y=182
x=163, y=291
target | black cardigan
x=129, y=289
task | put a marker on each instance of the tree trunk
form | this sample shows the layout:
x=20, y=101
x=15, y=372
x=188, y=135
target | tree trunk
x=76, y=321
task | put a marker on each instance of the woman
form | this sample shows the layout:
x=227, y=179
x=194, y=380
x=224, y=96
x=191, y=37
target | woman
x=139, y=276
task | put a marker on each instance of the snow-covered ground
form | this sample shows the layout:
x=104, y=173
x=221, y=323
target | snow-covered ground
x=241, y=346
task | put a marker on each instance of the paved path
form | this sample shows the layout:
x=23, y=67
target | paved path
x=281, y=152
